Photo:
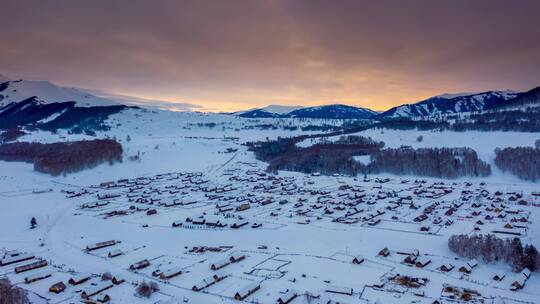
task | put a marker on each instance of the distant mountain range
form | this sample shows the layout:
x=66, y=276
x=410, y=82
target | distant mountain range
x=448, y=104
x=25, y=98
x=336, y=111
x=431, y=107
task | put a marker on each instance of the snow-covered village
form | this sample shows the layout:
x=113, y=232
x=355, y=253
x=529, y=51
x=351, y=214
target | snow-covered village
x=117, y=196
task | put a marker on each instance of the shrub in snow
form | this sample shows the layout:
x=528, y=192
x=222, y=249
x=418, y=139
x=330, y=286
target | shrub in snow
x=146, y=289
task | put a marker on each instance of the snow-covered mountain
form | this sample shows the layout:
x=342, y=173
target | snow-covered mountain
x=526, y=99
x=451, y=104
x=279, y=109
x=336, y=111
x=43, y=105
x=46, y=92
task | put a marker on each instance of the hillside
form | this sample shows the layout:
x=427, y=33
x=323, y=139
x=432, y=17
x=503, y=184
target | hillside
x=450, y=104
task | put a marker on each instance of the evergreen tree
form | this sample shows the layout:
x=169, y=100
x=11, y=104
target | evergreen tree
x=530, y=257
x=33, y=223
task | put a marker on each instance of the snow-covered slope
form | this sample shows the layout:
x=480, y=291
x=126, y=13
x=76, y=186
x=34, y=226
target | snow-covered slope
x=526, y=99
x=258, y=113
x=450, y=104
x=279, y=109
x=46, y=92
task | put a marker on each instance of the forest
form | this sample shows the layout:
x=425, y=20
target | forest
x=63, y=157
x=338, y=157
x=493, y=249
x=523, y=162
x=527, y=120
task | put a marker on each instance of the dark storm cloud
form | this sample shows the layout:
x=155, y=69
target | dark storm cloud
x=236, y=54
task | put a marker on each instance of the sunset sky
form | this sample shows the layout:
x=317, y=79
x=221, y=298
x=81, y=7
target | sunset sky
x=233, y=55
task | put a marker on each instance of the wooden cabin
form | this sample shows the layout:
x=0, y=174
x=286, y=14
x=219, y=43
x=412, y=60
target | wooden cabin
x=31, y=266
x=446, y=267
x=15, y=258
x=247, y=291
x=499, y=276
x=58, y=287
x=139, y=265
x=518, y=284
x=236, y=257
x=171, y=273
x=36, y=277
x=220, y=264
x=79, y=279
x=116, y=280
x=94, y=290
x=100, y=245
x=384, y=252
x=358, y=259
x=243, y=207
x=287, y=297
x=422, y=262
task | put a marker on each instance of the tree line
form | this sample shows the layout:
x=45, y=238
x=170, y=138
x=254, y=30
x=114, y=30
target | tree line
x=63, y=157
x=527, y=120
x=523, y=162
x=493, y=249
x=338, y=157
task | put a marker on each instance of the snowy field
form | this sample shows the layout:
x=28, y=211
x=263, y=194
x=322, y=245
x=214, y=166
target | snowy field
x=196, y=199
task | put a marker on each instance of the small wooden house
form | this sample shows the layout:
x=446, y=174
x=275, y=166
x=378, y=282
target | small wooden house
x=79, y=279
x=287, y=297
x=171, y=273
x=499, y=276
x=384, y=252
x=422, y=262
x=31, y=266
x=247, y=291
x=236, y=257
x=115, y=253
x=36, y=277
x=220, y=264
x=15, y=258
x=446, y=267
x=139, y=265
x=58, y=287
x=358, y=259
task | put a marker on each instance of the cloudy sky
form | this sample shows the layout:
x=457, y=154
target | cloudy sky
x=231, y=55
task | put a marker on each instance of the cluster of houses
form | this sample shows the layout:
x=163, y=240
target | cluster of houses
x=35, y=269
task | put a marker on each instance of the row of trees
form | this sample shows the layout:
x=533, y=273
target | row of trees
x=63, y=157
x=491, y=249
x=11, y=134
x=527, y=120
x=523, y=162
x=337, y=157
x=436, y=162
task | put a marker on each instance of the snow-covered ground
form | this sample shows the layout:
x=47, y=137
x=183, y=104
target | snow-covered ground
x=302, y=231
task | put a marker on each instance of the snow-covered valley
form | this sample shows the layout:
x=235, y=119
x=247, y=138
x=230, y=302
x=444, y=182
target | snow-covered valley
x=189, y=197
